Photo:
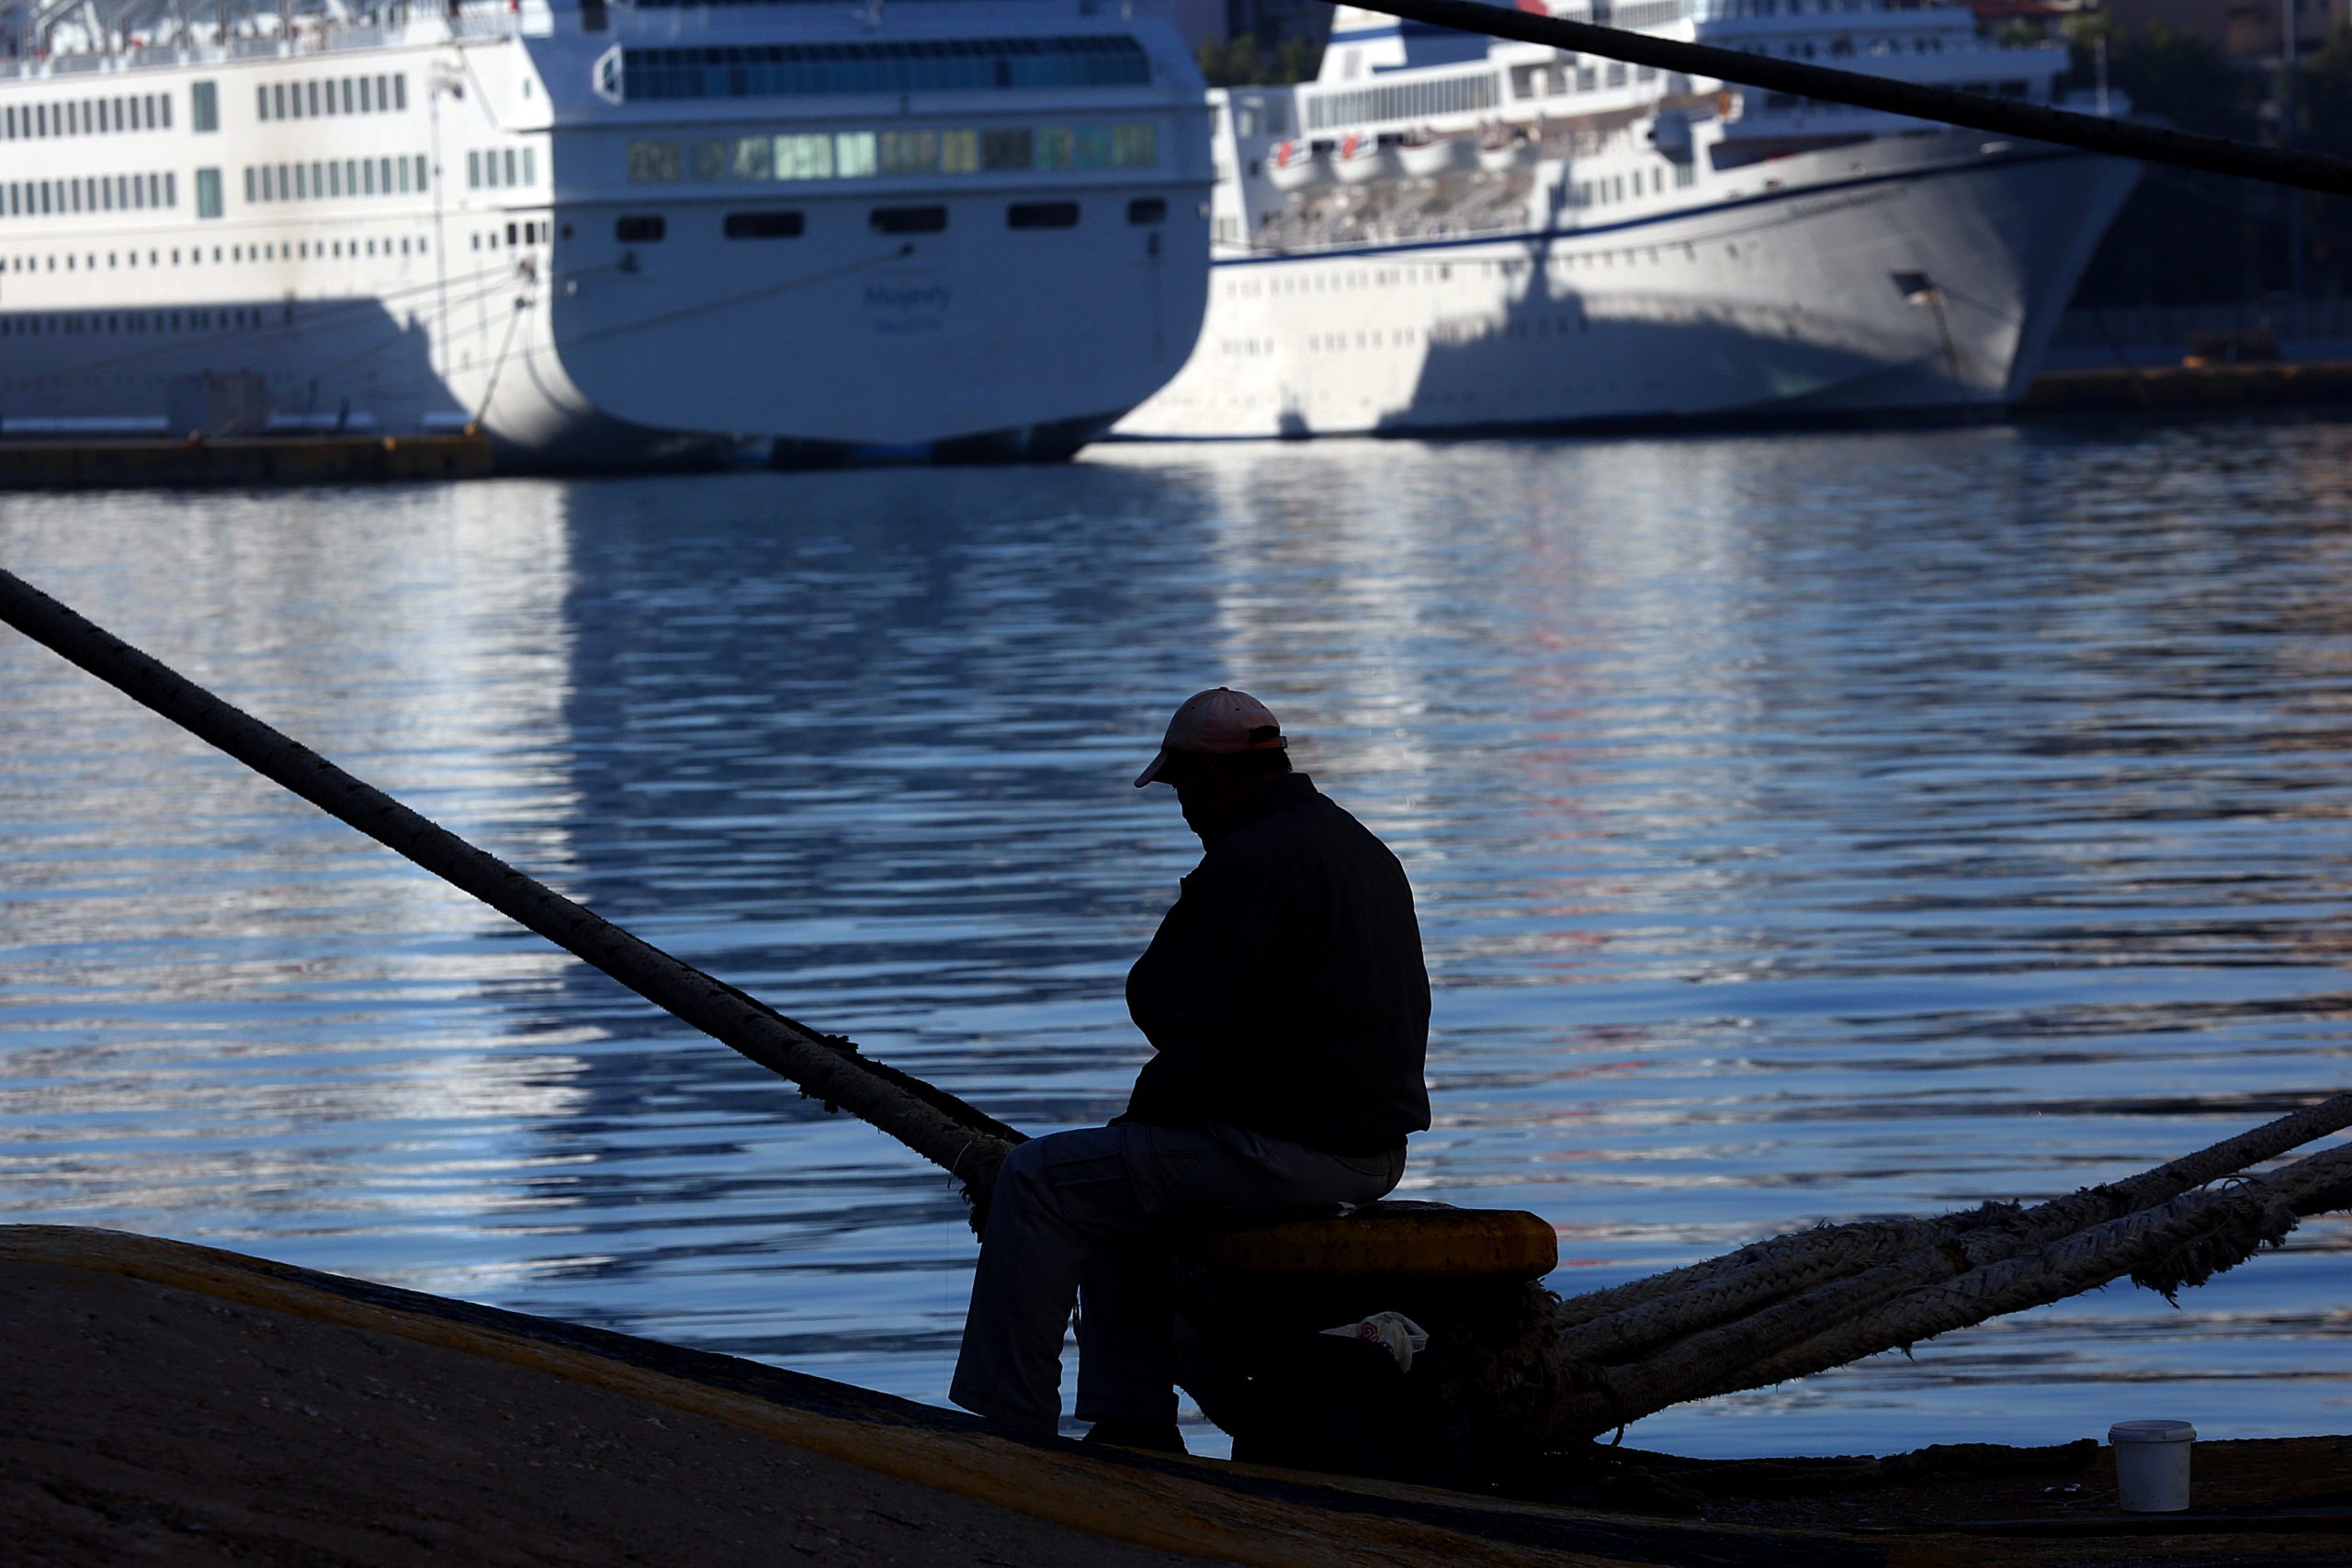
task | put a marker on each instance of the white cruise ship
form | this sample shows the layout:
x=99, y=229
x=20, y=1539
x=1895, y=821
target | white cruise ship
x=1448, y=233
x=608, y=234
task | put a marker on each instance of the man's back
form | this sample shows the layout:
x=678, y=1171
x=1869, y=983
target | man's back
x=1285, y=991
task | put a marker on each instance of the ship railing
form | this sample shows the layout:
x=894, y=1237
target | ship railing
x=336, y=40
x=1375, y=214
x=1630, y=14
x=1752, y=10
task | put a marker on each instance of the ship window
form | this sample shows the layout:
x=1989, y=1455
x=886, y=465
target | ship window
x=640, y=230
x=473, y=170
x=530, y=169
x=1147, y=209
x=509, y=161
x=763, y=225
x=400, y=93
x=366, y=99
x=346, y=95
x=1039, y=215
x=1134, y=146
x=1007, y=148
x=261, y=101
x=208, y=193
x=755, y=157
x=252, y=183
x=654, y=162
x=942, y=65
x=278, y=100
x=310, y=92
x=423, y=180
x=909, y=219
x=804, y=157
x=907, y=151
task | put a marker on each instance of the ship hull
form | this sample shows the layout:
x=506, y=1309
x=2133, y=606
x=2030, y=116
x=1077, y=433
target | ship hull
x=1911, y=277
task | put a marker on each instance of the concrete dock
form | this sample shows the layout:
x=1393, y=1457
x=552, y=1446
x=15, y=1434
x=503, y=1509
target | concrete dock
x=2190, y=388
x=124, y=464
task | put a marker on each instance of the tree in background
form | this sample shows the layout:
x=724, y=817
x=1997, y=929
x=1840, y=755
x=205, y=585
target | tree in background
x=2189, y=239
x=1240, y=62
x=2183, y=238
x=2324, y=124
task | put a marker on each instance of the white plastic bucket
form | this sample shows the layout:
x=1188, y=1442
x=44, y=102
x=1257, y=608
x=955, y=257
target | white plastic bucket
x=2152, y=1466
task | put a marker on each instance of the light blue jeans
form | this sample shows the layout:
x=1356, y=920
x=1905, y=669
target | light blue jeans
x=1092, y=1215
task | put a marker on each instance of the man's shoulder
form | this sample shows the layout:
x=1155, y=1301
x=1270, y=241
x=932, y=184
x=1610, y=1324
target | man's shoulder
x=1304, y=822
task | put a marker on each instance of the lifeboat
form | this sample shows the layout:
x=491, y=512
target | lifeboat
x=1360, y=160
x=1511, y=150
x=1430, y=157
x=1295, y=164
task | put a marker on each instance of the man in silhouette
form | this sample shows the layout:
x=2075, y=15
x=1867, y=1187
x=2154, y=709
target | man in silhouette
x=1286, y=1002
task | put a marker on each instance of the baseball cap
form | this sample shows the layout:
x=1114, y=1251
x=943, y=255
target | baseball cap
x=1215, y=723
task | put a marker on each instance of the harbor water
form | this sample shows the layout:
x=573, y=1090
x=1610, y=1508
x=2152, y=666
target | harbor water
x=1805, y=828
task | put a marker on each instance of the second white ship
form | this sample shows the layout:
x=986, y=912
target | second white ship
x=1448, y=234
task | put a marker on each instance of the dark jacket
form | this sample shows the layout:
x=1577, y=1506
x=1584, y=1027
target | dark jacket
x=1284, y=992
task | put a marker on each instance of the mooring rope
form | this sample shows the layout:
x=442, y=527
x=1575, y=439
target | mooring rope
x=2166, y=1246
x=928, y=1119
x=2003, y=117
x=1601, y=1324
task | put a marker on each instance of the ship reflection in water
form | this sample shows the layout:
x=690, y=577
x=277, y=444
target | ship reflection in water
x=1806, y=828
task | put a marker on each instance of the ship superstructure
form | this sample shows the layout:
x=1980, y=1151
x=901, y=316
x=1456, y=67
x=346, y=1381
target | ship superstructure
x=607, y=233
x=1446, y=232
